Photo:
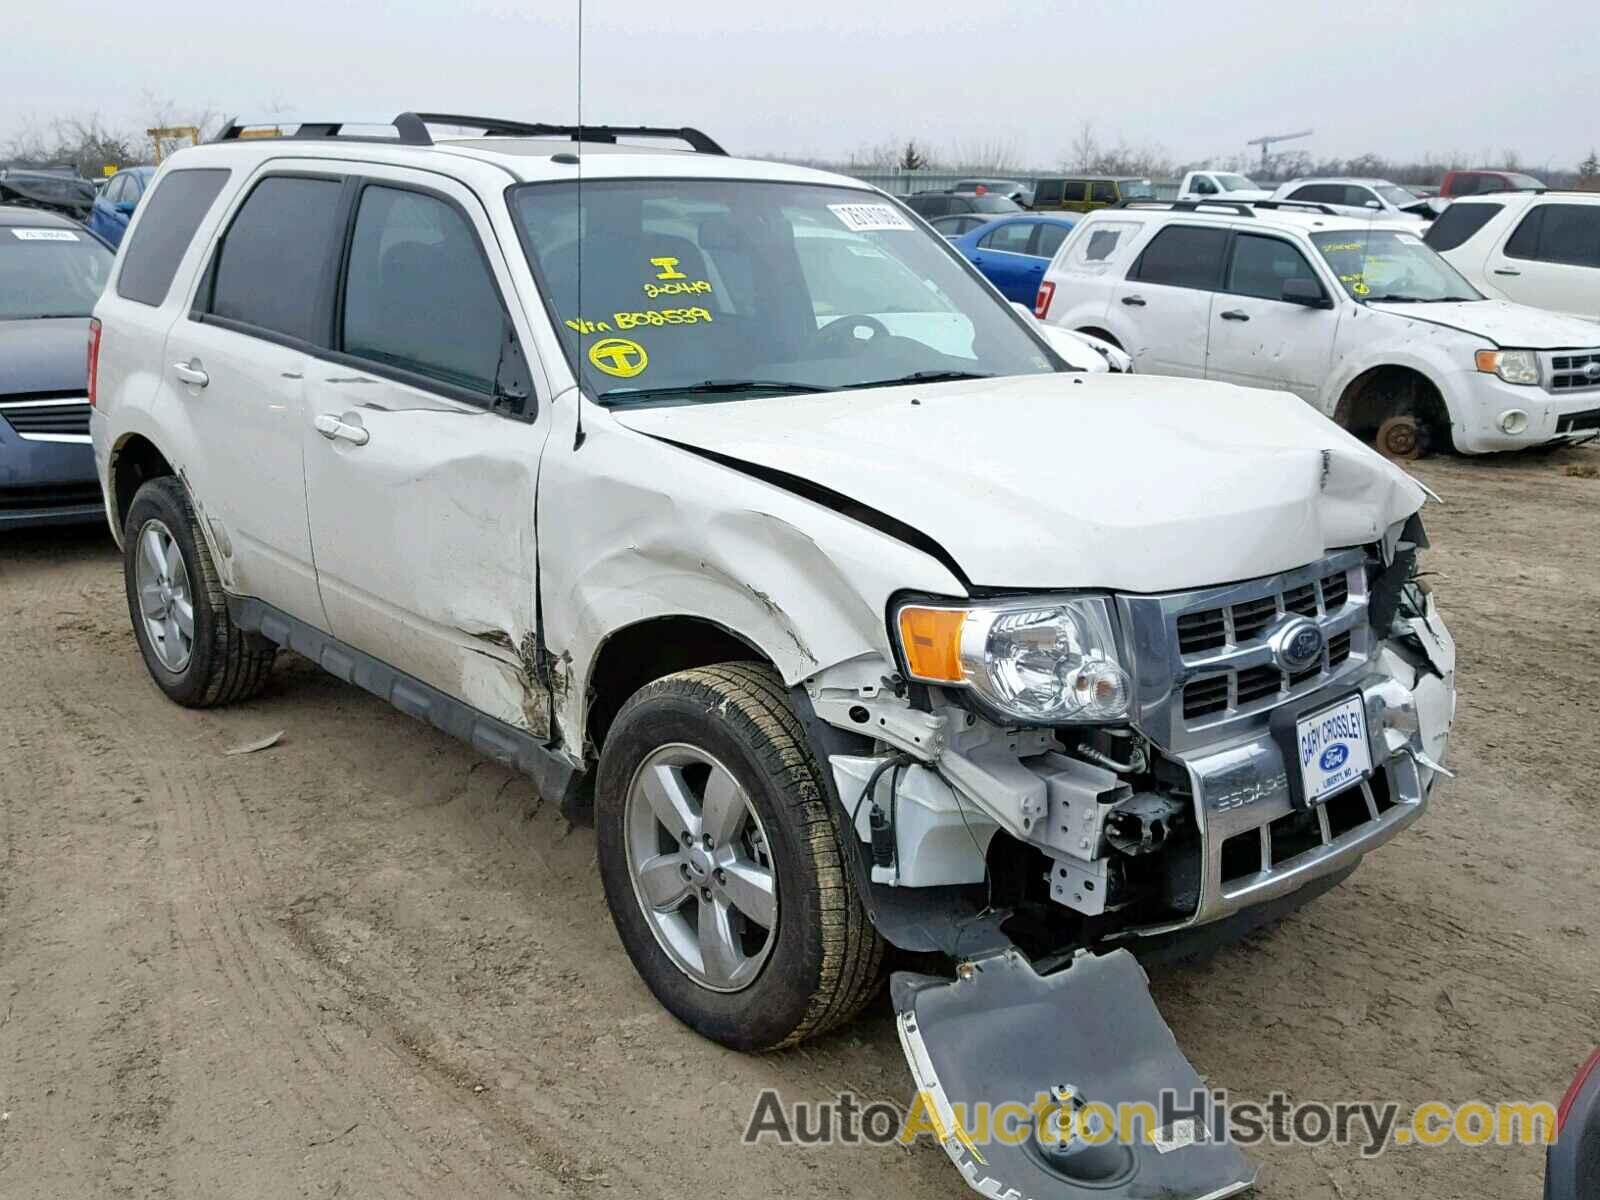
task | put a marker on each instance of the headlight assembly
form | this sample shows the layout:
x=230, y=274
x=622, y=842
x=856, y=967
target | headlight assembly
x=1514, y=366
x=1047, y=660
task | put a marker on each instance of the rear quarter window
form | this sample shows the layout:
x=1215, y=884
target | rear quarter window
x=171, y=215
x=1458, y=223
x=1100, y=245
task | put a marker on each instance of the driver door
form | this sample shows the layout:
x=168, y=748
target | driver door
x=1257, y=338
x=422, y=444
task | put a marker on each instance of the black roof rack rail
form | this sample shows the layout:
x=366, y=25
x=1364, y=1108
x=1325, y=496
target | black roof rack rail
x=1325, y=209
x=411, y=129
x=499, y=127
x=1237, y=206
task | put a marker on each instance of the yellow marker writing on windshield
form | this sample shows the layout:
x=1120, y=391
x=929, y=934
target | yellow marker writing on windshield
x=619, y=357
x=669, y=268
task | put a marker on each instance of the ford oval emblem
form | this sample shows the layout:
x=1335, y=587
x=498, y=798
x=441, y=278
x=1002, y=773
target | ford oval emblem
x=1298, y=645
x=1333, y=757
x=1593, y=370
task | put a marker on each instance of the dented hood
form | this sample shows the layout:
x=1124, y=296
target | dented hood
x=1136, y=483
x=1501, y=323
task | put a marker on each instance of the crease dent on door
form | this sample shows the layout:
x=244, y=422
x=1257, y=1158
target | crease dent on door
x=1064, y=1086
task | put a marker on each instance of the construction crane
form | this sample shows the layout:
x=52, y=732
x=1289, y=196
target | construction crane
x=1266, y=142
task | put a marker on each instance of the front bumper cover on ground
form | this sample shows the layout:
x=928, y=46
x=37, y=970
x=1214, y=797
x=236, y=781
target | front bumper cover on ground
x=1006, y=1036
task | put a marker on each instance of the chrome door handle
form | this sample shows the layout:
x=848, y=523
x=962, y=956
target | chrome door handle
x=191, y=373
x=1235, y=314
x=1133, y=301
x=1503, y=271
x=332, y=428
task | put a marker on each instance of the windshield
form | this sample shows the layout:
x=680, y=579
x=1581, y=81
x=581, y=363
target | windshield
x=1396, y=195
x=1137, y=189
x=1237, y=183
x=702, y=289
x=49, y=272
x=1391, y=266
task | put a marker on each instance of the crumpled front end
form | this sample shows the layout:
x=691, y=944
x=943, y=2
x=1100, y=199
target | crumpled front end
x=1279, y=729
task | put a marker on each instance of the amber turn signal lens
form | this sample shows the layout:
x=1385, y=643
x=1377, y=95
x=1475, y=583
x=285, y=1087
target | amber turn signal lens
x=931, y=638
x=1488, y=361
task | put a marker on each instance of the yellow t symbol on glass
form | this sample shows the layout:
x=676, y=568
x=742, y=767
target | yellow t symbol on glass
x=669, y=268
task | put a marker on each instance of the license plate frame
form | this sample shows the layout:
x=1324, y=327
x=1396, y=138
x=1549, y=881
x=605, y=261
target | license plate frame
x=1308, y=742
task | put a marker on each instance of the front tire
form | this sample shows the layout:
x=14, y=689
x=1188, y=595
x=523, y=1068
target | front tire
x=193, y=650
x=722, y=866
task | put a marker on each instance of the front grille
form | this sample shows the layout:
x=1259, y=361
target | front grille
x=1570, y=372
x=1257, y=683
x=1304, y=830
x=52, y=416
x=1224, y=670
x=1589, y=418
x=1205, y=696
x=66, y=495
x=1215, y=628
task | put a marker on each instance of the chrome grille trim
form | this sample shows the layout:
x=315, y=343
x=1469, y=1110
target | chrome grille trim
x=62, y=419
x=1161, y=670
x=1567, y=371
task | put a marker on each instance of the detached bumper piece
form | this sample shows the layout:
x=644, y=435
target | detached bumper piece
x=1086, y=1036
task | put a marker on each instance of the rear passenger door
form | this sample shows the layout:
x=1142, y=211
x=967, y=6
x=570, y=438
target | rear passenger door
x=1257, y=338
x=422, y=444
x=1165, y=301
x=236, y=366
x=1551, y=259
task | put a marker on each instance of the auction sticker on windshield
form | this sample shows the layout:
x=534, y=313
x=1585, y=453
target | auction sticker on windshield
x=46, y=235
x=1332, y=748
x=869, y=218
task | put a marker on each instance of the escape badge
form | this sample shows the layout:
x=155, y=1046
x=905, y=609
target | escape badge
x=619, y=357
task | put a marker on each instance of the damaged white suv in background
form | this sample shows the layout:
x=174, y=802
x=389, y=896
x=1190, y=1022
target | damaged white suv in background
x=728, y=495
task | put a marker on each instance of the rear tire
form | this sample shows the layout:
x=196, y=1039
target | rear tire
x=821, y=959
x=193, y=650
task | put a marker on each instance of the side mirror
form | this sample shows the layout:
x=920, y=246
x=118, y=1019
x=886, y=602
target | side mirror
x=1307, y=292
x=1372, y=204
x=126, y=207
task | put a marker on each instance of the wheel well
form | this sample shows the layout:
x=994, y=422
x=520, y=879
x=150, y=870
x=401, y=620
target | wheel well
x=638, y=654
x=1095, y=331
x=1388, y=391
x=133, y=464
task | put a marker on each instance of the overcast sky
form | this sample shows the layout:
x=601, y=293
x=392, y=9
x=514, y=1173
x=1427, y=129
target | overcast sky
x=823, y=77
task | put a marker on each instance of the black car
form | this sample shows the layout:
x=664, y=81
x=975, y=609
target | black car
x=51, y=273
x=53, y=191
x=942, y=204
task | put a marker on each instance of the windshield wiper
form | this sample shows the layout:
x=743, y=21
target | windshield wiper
x=711, y=387
x=926, y=377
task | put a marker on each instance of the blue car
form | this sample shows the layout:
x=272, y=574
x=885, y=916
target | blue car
x=1012, y=252
x=51, y=273
x=115, y=204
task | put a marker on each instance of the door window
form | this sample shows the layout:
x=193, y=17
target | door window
x=1102, y=191
x=418, y=293
x=1260, y=266
x=1074, y=190
x=151, y=257
x=272, y=265
x=115, y=189
x=1559, y=233
x=1320, y=193
x=1050, y=239
x=1012, y=237
x=1203, y=186
x=1049, y=193
x=1187, y=256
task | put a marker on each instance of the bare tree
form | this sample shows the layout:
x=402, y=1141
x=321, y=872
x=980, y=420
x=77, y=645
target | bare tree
x=996, y=153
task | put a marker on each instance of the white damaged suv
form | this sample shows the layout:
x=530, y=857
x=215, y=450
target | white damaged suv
x=727, y=496
x=1355, y=316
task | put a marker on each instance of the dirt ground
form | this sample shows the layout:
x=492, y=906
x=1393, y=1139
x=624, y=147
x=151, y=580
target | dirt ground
x=366, y=962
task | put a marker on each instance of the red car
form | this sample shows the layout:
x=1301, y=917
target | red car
x=1473, y=183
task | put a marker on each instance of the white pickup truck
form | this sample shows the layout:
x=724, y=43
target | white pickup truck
x=1209, y=184
x=859, y=616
